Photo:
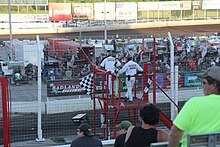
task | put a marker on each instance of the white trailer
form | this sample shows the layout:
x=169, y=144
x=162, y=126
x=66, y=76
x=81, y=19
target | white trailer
x=98, y=47
x=27, y=50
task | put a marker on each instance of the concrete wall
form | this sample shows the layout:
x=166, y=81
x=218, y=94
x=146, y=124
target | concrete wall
x=55, y=30
x=79, y=104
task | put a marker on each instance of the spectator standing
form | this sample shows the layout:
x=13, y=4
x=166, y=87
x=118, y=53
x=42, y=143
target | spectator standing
x=147, y=133
x=110, y=64
x=85, y=137
x=199, y=114
x=17, y=78
x=130, y=69
x=9, y=57
x=130, y=52
x=123, y=127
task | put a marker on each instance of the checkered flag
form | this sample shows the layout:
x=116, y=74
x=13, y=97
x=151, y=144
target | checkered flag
x=149, y=82
x=87, y=83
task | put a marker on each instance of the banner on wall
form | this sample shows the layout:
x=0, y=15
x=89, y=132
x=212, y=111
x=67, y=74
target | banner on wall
x=146, y=6
x=60, y=11
x=24, y=17
x=185, y=5
x=82, y=11
x=126, y=10
x=175, y=5
x=64, y=88
x=210, y=4
x=196, y=5
x=166, y=80
x=57, y=88
x=191, y=80
x=159, y=79
x=99, y=11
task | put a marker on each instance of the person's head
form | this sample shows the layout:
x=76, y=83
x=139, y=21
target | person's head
x=129, y=58
x=84, y=130
x=150, y=114
x=109, y=53
x=211, y=80
x=113, y=54
x=123, y=126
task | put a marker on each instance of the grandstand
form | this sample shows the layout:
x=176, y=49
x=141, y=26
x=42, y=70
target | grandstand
x=24, y=2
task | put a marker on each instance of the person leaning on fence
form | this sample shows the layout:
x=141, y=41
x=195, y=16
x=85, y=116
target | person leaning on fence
x=110, y=64
x=130, y=69
x=123, y=127
x=147, y=133
x=85, y=137
x=199, y=114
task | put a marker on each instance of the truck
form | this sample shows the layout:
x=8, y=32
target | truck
x=5, y=68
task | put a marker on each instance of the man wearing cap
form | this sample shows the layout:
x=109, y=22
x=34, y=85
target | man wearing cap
x=85, y=137
x=123, y=127
x=199, y=114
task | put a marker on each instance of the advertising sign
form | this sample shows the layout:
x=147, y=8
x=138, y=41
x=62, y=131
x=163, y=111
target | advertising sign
x=60, y=11
x=126, y=10
x=191, y=80
x=24, y=17
x=159, y=79
x=175, y=5
x=196, y=5
x=185, y=5
x=64, y=88
x=57, y=88
x=166, y=80
x=82, y=11
x=210, y=4
x=99, y=11
x=146, y=6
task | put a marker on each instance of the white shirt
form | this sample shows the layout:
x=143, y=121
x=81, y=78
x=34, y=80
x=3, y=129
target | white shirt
x=130, y=68
x=110, y=63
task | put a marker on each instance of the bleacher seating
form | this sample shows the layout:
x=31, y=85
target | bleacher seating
x=42, y=2
x=159, y=144
x=204, y=140
x=197, y=140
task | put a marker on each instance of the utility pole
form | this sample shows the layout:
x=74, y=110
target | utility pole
x=10, y=29
x=105, y=25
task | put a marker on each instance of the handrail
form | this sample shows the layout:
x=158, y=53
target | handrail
x=87, y=58
x=167, y=95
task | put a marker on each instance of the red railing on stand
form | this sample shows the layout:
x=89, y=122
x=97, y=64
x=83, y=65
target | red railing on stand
x=116, y=104
x=5, y=111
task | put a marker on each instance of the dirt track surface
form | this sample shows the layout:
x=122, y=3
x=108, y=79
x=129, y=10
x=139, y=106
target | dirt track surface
x=175, y=31
x=162, y=31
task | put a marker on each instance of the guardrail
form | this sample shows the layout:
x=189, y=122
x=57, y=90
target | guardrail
x=105, y=143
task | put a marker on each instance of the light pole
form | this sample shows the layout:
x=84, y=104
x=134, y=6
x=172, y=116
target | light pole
x=10, y=28
x=105, y=26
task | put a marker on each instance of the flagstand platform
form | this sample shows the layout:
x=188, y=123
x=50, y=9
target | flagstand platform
x=98, y=86
x=120, y=103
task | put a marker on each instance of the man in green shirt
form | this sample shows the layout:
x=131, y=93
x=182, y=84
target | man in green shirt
x=199, y=114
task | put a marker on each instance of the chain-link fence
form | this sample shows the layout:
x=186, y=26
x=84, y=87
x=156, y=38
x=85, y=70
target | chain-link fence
x=62, y=96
